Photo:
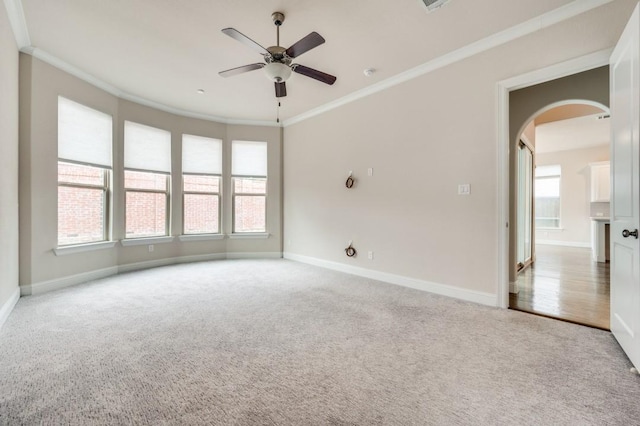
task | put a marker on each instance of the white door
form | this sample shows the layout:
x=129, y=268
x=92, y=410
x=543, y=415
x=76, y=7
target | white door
x=625, y=201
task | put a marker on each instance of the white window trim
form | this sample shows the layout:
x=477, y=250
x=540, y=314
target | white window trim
x=235, y=194
x=80, y=248
x=247, y=235
x=217, y=194
x=166, y=192
x=145, y=240
x=200, y=237
x=107, y=197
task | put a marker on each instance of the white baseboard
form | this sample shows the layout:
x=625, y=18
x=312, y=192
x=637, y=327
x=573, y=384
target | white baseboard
x=169, y=261
x=563, y=243
x=59, y=283
x=255, y=255
x=8, y=306
x=431, y=287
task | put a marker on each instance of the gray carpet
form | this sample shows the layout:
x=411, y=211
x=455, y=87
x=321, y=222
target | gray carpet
x=277, y=342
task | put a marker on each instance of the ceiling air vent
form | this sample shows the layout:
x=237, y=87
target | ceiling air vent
x=432, y=5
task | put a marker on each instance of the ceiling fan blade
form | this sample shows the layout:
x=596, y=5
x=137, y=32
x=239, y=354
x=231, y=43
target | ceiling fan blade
x=240, y=70
x=235, y=34
x=305, y=44
x=315, y=74
x=281, y=90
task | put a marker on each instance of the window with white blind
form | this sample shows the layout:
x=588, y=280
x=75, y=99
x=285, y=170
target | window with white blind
x=201, y=181
x=147, y=163
x=84, y=173
x=249, y=186
x=547, y=196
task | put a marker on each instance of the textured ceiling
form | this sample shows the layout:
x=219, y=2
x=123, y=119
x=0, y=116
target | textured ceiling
x=164, y=50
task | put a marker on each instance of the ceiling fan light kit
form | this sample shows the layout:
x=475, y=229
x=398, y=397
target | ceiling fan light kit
x=278, y=60
x=278, y=72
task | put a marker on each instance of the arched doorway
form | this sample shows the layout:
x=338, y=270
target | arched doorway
x=558, y=273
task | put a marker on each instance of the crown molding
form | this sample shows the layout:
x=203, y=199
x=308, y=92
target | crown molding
x=73, y=70
x=113, y=90
x=18, y=23
x=191, y=114
x=545, y=20
x=570, y=10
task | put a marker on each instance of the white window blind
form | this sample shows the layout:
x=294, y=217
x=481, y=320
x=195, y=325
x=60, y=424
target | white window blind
x=544, y=171
x=248, y=158
x=146, y=148
x=84, y=134
x=201, y=155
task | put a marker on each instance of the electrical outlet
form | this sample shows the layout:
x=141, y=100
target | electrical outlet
x=464, y=189
x=370, y=255
x=151, y=248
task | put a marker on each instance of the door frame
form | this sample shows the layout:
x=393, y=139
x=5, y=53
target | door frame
x=503, y=87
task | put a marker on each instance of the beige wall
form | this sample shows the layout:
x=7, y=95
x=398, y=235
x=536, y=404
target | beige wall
x=423, y=138
x=41, y=84
x=530, y=134
x=8, y=160
x=575, y=194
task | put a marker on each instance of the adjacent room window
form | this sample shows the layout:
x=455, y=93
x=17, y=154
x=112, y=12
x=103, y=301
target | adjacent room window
x=547, y=195
x=249, y=185
x=201, y=181
x=84, y=166
x=147, y=162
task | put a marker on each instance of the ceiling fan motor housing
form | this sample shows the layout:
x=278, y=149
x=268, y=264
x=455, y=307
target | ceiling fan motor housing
x=432, y=4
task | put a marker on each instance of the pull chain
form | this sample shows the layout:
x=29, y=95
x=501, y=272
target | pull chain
x=278, y=113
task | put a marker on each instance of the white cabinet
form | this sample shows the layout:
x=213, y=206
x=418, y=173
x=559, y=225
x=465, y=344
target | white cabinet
x=600, y=182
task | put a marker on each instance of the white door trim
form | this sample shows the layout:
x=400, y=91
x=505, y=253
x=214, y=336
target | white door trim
x=573, y=66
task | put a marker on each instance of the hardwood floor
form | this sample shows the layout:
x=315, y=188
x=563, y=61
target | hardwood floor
x=565, y=283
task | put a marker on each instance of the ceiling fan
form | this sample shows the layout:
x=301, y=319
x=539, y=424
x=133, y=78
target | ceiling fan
x=278, y=60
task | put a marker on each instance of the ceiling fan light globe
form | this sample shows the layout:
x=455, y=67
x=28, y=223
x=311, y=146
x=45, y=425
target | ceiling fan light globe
x=277, y=72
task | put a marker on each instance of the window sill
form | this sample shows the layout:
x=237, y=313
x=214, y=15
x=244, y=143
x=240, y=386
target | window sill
x=246, y=235
x=200, y=237
x=145, y=241
x=80, y=248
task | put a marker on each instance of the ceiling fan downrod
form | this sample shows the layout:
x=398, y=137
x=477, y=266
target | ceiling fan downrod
x=278, y=19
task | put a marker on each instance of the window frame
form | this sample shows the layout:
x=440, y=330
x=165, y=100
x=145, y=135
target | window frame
x=106, y=200
x=235, y=194
x=167, y=192
x=217, y=194
x=559, y=217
